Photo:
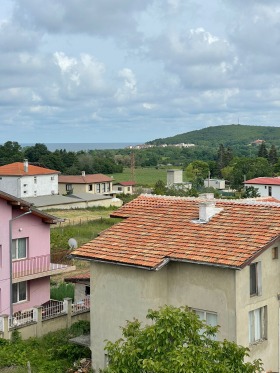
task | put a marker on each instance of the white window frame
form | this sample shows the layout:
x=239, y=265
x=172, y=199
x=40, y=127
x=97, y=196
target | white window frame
x=98, y=188
x=17, y=289
x=15, y=248
x=68, y=187
x=205, y=315
x=255, y=279
x=258, y=325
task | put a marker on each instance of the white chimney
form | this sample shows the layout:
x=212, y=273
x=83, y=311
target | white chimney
x=83, y=173
x=207, y=208
x=25, y=165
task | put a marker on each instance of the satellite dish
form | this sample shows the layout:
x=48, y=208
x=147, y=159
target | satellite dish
x=72, y=243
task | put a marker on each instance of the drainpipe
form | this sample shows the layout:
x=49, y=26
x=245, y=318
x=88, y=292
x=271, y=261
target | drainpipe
x=11, y=257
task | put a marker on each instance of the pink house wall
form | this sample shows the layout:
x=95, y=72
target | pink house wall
x=38, y=234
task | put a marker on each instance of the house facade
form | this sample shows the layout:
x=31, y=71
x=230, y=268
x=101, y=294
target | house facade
x=124, y=187
x=267, y=186
x=25, y=180
x=215, y=183
x=25, y=265
x=94, y=184
x=206, y=254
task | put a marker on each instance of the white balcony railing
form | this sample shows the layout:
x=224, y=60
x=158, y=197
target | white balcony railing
x=34, y=265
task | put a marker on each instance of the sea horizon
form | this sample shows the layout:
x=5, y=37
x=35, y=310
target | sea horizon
x=75, y=147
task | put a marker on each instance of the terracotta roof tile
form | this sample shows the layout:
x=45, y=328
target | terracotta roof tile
x=264, y=181
x=158, y=229
x=17, y=169
x=86, y=179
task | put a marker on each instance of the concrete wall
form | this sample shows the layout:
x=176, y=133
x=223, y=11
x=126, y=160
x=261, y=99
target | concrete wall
x=26, y=186
x=84, y=188
x=263, y=190
x=267, y=350
x=123, y=293
x=84, y=204
x=5, y=216
x=174, y=176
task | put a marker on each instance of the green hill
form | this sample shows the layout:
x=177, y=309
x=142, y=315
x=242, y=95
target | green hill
x=230, y=135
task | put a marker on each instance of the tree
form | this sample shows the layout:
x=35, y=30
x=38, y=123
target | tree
x=177, y=341
x=159, y=188
x=262, y=153
x=251, y=192
x=272, y=155
x=35, y=152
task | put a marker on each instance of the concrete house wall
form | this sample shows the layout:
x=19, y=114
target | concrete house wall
x=38, y=238
x=30, y=186
x=266, y=190
x=84, y=188
x=268, y=349
x=124, y=293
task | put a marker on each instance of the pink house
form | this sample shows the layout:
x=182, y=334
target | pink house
x=25, y=266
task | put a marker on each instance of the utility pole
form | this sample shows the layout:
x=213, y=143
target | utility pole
x=132, y=166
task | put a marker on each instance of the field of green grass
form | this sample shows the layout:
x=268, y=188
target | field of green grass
x=146, y=177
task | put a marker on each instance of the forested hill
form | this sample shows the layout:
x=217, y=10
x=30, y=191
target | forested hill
x=229, y=135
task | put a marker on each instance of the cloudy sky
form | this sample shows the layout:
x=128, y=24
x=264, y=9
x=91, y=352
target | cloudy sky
x=133, y=71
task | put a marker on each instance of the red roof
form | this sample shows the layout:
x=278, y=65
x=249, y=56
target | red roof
x=80, y=179
x=264, y=181
x=158, y=229
x=17, y=169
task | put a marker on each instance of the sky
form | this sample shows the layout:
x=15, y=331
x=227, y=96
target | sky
x=134, y=71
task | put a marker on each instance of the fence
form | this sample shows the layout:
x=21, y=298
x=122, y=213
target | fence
x=52, y=316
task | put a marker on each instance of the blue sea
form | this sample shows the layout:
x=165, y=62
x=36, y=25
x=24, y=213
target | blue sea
x=75, y=147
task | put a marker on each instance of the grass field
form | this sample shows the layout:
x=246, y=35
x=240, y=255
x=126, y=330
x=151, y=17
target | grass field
x=146, y=177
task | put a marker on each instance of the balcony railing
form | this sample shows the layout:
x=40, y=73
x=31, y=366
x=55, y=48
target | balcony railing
x=35, y=265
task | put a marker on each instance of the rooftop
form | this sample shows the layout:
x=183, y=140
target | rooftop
x=18, y=169
x=159, y=229
x=264, y=181
x=83, y=179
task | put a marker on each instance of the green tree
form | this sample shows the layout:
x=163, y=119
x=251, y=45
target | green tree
x=10, y=152
x=272, y=155
x=251, y=192
x=196, y=172
x=177, y=341
x=34, y=153
x=262, y=153
x=159, y=188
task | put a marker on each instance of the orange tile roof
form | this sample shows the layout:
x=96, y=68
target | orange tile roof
x=80, y=179
x=264, y=181
x=17, y=169
x=158, y=229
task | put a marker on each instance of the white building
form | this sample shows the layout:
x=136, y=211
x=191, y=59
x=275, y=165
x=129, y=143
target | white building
x=267, y=186
x=21, y=180
x=215, y=183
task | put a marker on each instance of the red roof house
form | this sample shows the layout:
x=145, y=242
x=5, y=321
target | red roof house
x=218, y=257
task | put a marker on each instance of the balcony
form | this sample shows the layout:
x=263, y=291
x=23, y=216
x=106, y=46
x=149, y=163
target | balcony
x=36, y=267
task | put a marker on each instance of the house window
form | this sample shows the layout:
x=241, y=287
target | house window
x=19, y=292
x=128, y=189
x=87, y=290
x=275, y=252
x=211, y=318
x=258, y=324
x=19, y=248
x=255, y=279
x=97, y=188
x=270, y=191
x=108, y=187
x=52, y=177
x=35, y=179
x=68, y=187
x=119, y=188
x=103, y=188
x=90, y=187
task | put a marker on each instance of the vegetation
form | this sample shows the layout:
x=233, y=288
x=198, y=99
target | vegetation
x=230, y=135
x=81, y=232
x=51, y=353
x=177, y=341
x=62, y=290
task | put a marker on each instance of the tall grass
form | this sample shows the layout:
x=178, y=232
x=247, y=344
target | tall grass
x=62, y=290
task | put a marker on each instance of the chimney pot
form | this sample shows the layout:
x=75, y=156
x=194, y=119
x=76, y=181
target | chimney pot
x=83, y=173
x=25, y=165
